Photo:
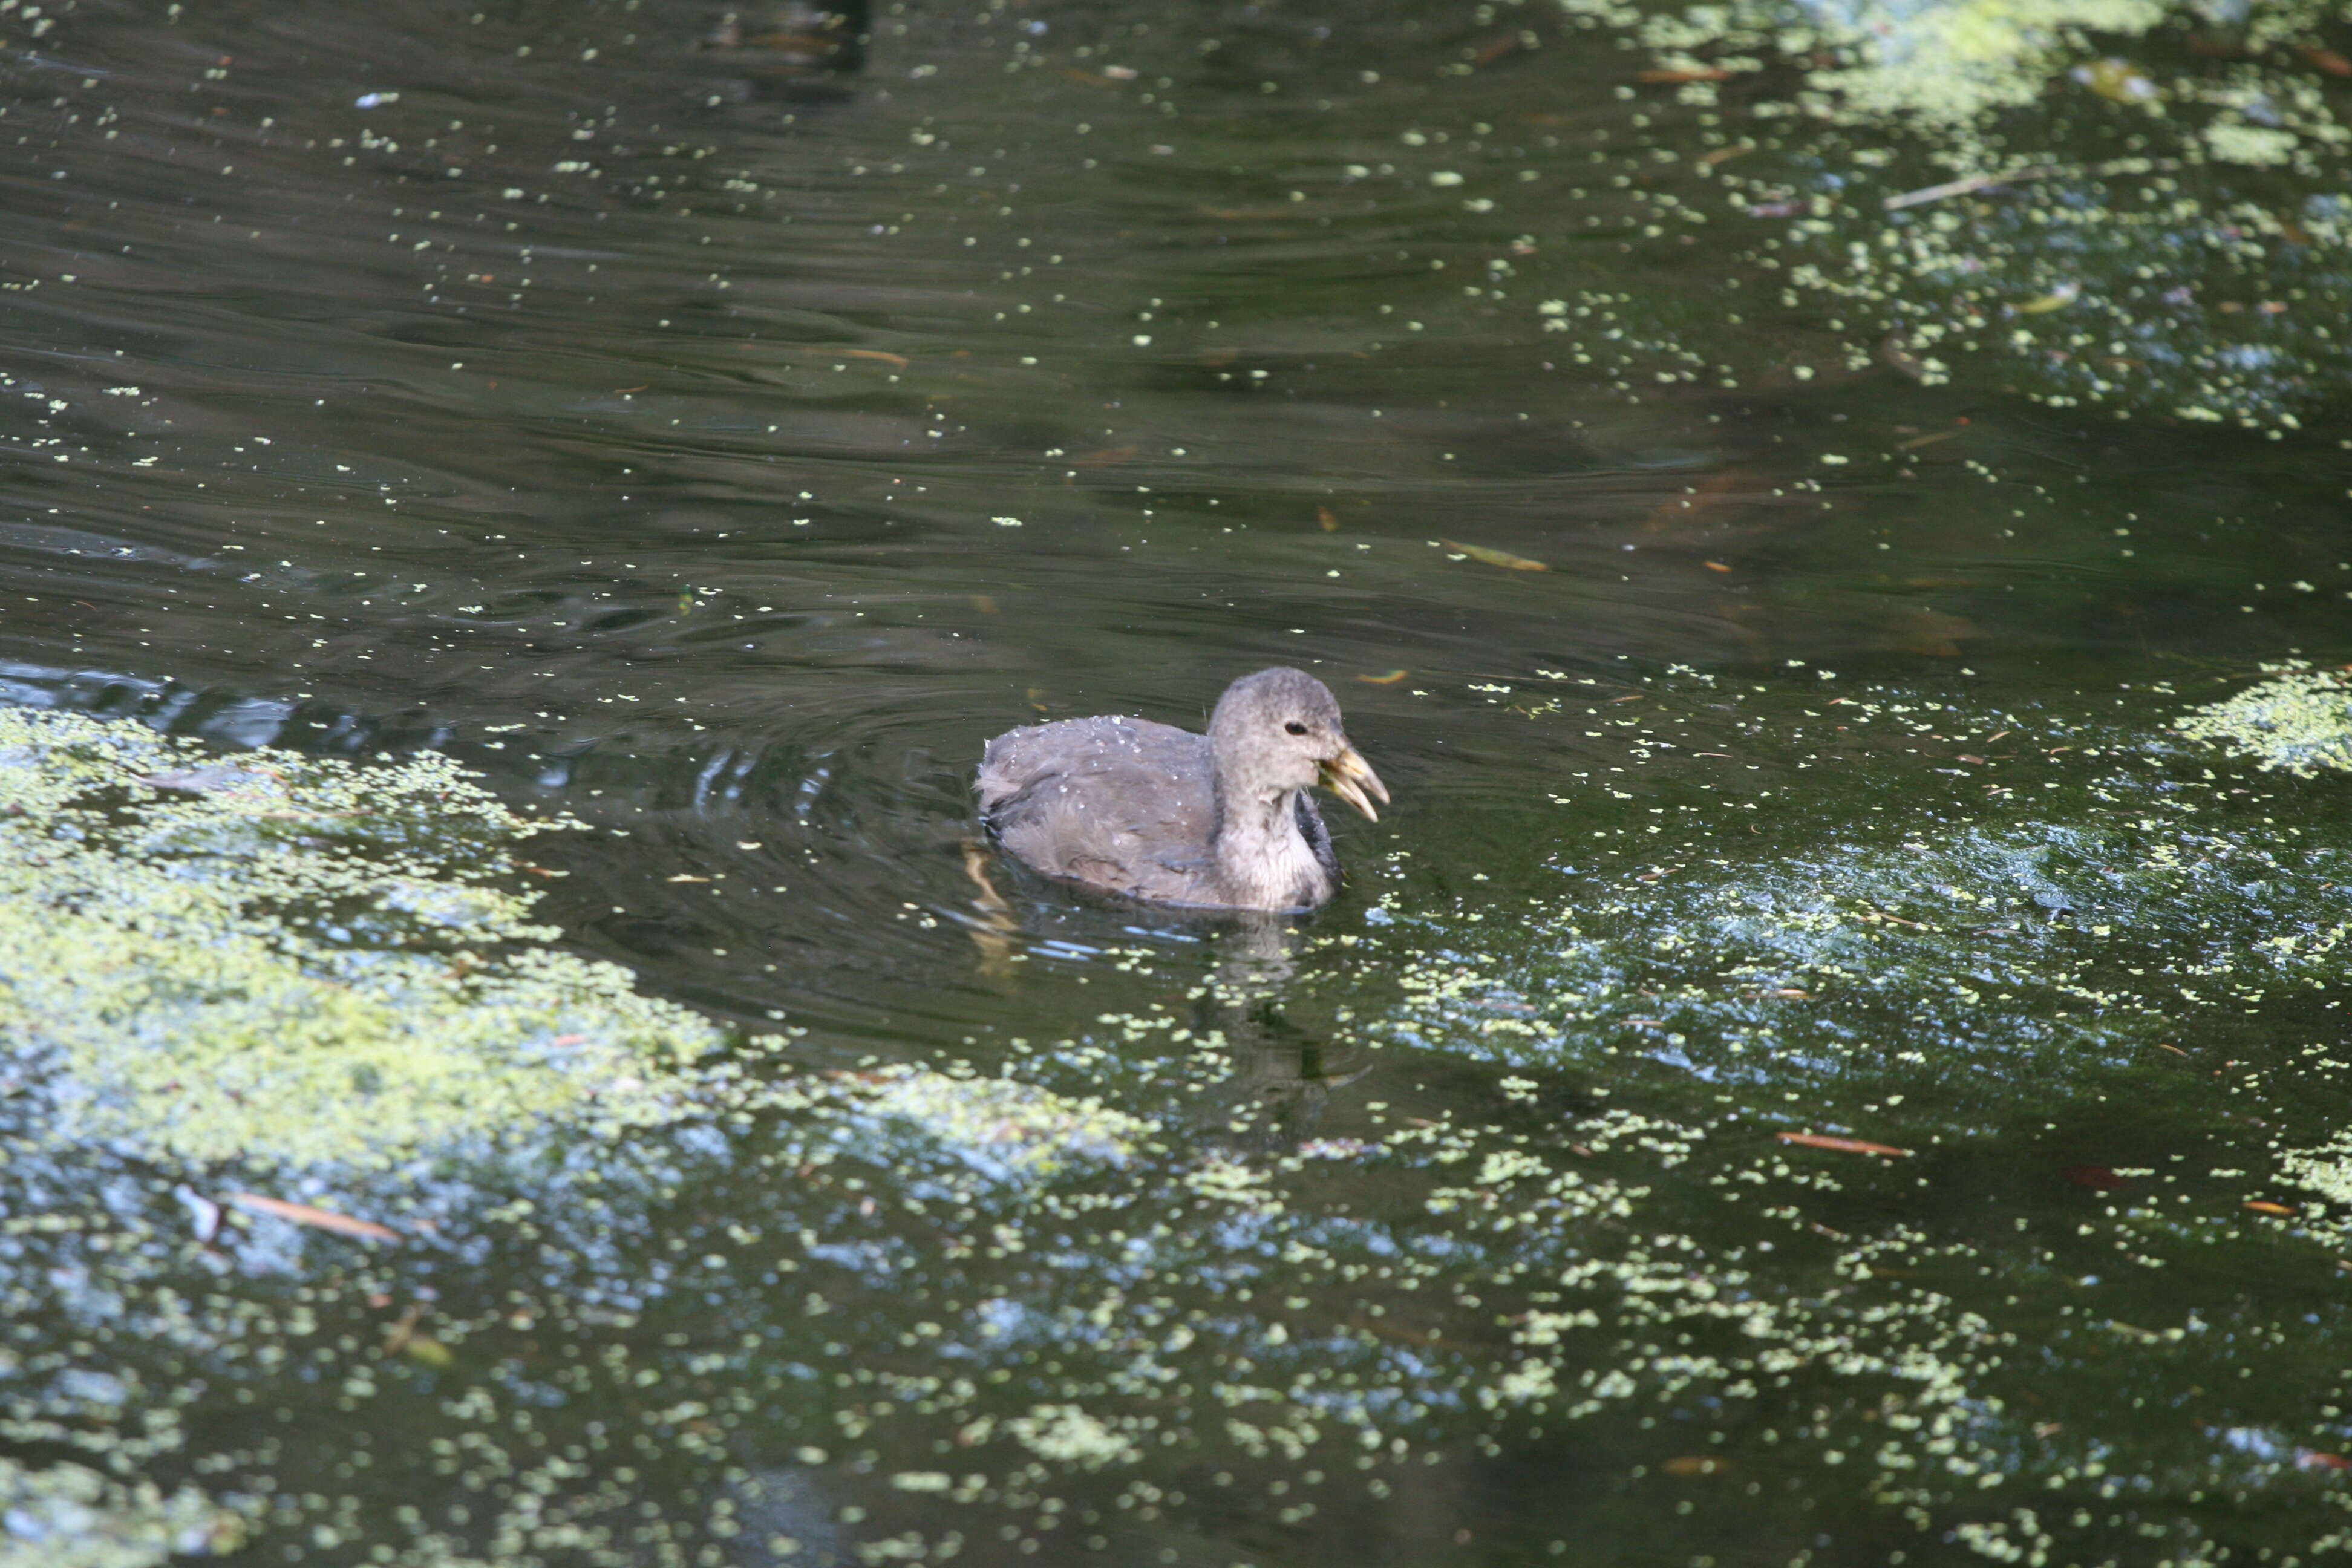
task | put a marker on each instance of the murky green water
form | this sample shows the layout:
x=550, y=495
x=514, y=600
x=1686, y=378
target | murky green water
x=711, y=433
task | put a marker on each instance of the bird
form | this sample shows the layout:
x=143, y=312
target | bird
x=1153, y=813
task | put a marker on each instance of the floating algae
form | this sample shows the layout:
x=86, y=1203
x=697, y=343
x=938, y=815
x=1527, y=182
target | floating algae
x=2298, y=721
x=69, y=1516
x=1990, y=192
x=294, y=957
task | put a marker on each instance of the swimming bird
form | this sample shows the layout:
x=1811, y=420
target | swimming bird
x=1151, y=812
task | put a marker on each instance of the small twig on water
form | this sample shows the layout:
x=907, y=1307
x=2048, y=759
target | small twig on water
x=1973, y=183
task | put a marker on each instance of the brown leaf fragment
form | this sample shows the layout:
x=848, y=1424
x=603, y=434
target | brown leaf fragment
x=1695, y=1465
x=1502, y=558
x=317, y=1218
x=1381, y=1330
x=1840, y=1145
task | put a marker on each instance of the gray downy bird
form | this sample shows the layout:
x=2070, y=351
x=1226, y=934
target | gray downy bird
x=1148, y=811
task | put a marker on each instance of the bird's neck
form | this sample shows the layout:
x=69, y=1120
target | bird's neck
x=1263, y=862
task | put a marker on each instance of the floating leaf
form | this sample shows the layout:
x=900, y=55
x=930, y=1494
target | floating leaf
x=317, y=1218
x=2058, y=299
x=1391, y=678
x=430, y=1351
x=1502, y=558
x=2117, y=80
x=1327, y=518
x=901, y=360
x=1842, y=1145
x=1695, y=1465
x=1917, y=442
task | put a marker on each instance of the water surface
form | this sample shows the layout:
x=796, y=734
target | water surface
x=716, y=431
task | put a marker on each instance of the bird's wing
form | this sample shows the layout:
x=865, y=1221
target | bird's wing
x=1318, y=837
x=1123, y=804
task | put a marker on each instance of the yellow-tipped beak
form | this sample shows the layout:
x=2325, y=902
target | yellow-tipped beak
x=1351, y=778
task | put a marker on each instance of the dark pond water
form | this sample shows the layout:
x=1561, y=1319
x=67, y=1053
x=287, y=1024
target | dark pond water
x=717, y=429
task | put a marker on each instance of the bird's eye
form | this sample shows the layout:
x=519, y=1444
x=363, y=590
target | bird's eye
x=1296, y=728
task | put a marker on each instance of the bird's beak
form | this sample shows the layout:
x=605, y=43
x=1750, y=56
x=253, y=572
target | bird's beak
x=1351, y=778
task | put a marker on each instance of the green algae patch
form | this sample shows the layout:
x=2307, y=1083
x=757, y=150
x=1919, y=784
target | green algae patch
x=2124, y=203
x=286, y=958
x=66, y=1516
x=2298, y=721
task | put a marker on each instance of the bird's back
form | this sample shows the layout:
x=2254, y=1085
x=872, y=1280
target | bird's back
x=1122, y=805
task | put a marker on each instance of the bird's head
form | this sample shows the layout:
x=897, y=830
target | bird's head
x=1279, y=731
